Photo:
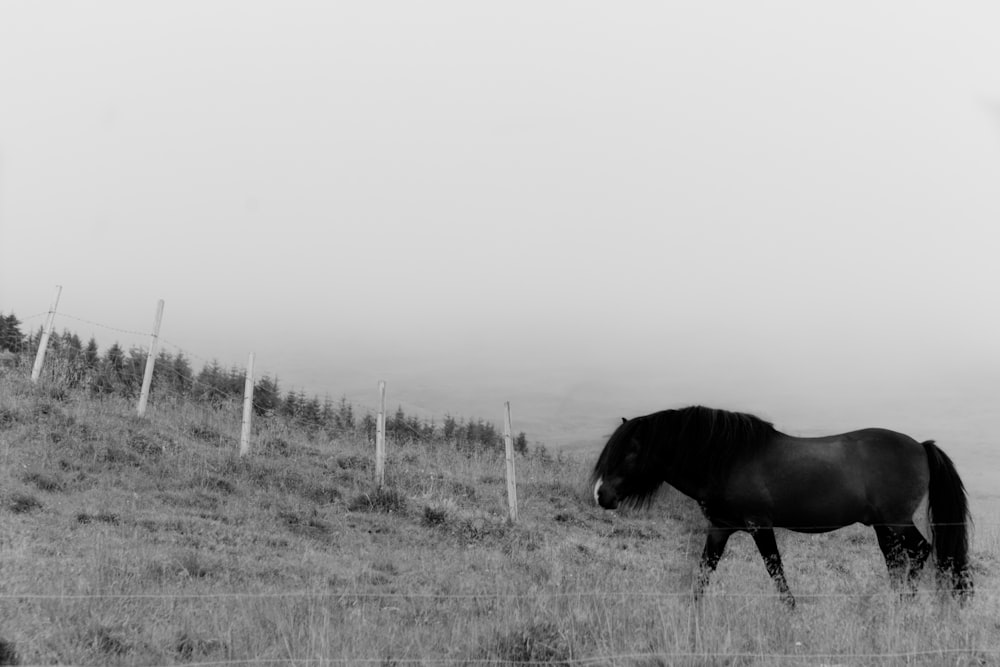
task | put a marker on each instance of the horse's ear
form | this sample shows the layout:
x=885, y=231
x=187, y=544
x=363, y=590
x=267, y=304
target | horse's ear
x=624, y=420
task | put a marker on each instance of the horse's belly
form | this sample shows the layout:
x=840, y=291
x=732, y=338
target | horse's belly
x=815, y=514
x=812, y=503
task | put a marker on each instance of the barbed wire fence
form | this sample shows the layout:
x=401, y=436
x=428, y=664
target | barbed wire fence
x=205, y=402
x=203, y=418
x=267, y=416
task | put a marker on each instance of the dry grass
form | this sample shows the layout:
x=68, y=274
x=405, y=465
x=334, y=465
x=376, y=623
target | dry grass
x=148, y=542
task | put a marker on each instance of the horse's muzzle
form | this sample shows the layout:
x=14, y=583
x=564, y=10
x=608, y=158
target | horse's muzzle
x=605, y=496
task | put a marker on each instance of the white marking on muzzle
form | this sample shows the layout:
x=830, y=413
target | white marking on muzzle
x=597, y=487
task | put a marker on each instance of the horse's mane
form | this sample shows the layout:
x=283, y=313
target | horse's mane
x=698, y=443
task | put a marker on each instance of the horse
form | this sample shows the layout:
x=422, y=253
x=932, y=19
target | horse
x=748, y=476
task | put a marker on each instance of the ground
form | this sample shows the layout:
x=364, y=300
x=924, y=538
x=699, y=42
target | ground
x=151, y=542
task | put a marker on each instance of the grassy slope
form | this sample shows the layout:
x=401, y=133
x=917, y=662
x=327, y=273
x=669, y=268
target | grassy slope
x=127, y=541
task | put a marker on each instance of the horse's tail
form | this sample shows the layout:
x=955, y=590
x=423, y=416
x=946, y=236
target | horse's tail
x=950, y=520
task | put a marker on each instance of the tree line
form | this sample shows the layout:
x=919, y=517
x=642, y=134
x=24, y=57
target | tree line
x=119, y=372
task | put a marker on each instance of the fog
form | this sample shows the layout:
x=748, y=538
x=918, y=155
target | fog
x=588, y=210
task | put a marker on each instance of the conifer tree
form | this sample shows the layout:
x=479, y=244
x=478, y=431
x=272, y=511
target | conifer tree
x=183, y=377
x=11, y=338
x=291, y=405
x=209, y=385
x=398, y=423
x=311, y=412
x=91, y=358
x=368, y=426
x=328, y=415
x=70, y=345
x=266, y=396
x=345, y=415
x=450, y=425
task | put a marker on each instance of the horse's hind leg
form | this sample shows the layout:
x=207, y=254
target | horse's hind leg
x=768, y=548
x=917, y=551
x=715, y=544
x=892, y=543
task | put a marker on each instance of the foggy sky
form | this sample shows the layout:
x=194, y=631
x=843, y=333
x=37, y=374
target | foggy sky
x=705, y=200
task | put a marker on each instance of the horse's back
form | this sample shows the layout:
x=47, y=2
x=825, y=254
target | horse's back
x=817, y=484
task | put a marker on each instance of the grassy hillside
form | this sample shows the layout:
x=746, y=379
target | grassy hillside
x=148, y=542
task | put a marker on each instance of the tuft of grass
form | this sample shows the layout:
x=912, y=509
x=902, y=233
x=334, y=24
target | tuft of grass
x=100, y=517
x=320, y=494
x=276, y=447
x=195, y=565
x=9, y=417
x=143, y=444
x=307, y=522
x=214, y=483
x=383, y=499
x=8, y=653
x=22, y=503
x=190, y=646
x=435, y=516
x=205, y=433
x=120, y=455
x=42, y=481
x=467, y=491
x=536, y=643
x=482, y=526
x=353, y=462
x=107, y=641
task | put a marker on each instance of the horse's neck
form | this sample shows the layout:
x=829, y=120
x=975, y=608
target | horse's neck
x=690, y=485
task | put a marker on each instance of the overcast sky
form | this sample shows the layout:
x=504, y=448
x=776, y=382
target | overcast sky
x=738, y=196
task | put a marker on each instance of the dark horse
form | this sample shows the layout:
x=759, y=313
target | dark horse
x=748, y=476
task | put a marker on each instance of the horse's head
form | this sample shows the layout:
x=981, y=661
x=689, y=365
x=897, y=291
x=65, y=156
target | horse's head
x=623, y=472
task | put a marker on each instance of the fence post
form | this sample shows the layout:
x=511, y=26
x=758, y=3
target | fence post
x=380, y=436
x=511, y=478
x=147, y=378
x=247, y=408
x=43, y=343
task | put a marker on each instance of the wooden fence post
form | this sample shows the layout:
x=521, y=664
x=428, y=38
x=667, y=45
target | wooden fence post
x=36, y=370
x=247, y=408
x=147, y=377
x=380, y=436
x=511, y=477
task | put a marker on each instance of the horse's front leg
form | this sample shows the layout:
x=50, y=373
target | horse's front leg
x=715, y=544
x=768, y=548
